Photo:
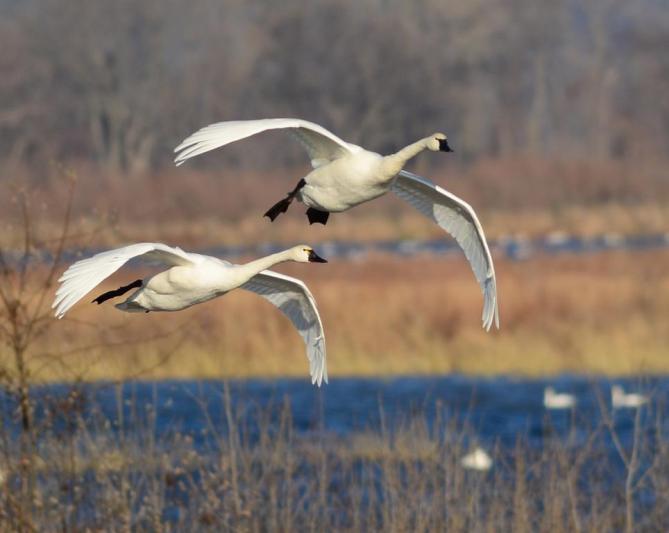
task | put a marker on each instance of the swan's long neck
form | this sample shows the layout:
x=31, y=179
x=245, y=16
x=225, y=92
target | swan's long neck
x=252, y=268
x=393, y=163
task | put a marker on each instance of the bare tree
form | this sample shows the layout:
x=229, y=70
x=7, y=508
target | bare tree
x=121, y=82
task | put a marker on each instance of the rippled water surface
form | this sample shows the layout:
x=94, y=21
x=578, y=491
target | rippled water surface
x=497, y=410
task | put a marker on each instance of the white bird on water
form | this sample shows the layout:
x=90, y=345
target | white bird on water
x=345, y=175
x=554, y=400
x=621, y=399
x=477, y=459
x=193, y=278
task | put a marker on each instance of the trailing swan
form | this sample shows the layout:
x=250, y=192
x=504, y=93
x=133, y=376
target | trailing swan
x=622, y=399
x=345, y=175
x=193, y=278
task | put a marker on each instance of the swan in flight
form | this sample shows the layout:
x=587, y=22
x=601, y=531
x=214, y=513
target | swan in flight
x=345, y=175
x=555, y=400
x=193, y=278
x=621, y=399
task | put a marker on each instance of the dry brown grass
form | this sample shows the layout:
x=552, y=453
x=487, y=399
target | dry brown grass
x=602, y=313
x=196, y=208
x=597, y=313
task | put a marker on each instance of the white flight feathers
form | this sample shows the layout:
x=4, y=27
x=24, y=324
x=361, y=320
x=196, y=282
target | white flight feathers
x=193, y=278
x=346, y=175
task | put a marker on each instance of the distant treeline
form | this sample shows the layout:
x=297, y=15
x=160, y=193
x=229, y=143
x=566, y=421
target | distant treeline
x=122, y=82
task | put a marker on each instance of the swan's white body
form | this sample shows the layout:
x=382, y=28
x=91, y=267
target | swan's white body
x=477, y=459
x=345, y=175
x=621, y=399
x=193, y=278
x=554, y=400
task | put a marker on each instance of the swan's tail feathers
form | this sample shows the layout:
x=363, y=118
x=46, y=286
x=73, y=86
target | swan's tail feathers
x=314, y=215
x=282, y=205
x=130, y=306
x=117, y=292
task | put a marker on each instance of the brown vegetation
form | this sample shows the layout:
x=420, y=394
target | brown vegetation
x=598, y=313
x=199, y=209
x=403, y=476
x=560, y=121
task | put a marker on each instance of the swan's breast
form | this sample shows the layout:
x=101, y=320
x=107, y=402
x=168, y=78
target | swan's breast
x=190, y=283
x=346, y=182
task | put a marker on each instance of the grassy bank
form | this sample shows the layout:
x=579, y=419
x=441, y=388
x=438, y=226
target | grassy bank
x=601, y=313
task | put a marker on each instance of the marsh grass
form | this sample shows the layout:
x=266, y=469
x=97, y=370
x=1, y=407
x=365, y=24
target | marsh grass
x=251, y=469
x=598, y=313
x=68, y=465
x=513, y=196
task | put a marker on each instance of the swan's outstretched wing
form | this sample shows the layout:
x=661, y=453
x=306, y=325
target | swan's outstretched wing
x=321, y=145
x=294, y=300
x=83, y=276
x=457, y=218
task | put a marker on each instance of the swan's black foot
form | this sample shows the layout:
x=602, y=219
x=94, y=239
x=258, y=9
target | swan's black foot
x=282, y=205
x=314, y=215
x=117, y=292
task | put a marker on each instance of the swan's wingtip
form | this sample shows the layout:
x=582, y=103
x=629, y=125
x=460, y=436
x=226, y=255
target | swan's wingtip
x=318, y=380
x=489, y=321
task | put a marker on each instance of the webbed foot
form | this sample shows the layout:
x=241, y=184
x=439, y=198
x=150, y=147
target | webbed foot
x=314, y=215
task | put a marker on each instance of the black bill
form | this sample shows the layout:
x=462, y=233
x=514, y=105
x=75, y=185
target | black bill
x=443, y=146
x=315, y=258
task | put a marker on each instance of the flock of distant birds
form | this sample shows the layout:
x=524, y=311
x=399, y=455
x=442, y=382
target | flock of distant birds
x=343, y=175
x=619, y=399
x=478, y=459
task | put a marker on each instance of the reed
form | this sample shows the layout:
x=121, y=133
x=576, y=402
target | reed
x=253, y=471
x=600, y=313
x=213, y=208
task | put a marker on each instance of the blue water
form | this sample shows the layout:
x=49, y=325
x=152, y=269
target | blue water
x=513, y=247
x=496, y=410
x=495, y=413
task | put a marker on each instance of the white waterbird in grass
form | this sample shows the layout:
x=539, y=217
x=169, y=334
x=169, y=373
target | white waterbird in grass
x=345, y=175
x=620, y=399
x=555, y=400
x=193, y=278
x=477, y=459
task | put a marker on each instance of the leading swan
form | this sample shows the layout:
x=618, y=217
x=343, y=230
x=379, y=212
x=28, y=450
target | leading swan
x=345, y=175
x=193, y=278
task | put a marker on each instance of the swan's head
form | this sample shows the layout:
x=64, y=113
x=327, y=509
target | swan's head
x=617, y=391
x=438, y=143
x=306, y=254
